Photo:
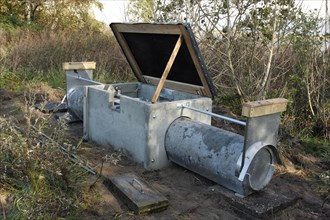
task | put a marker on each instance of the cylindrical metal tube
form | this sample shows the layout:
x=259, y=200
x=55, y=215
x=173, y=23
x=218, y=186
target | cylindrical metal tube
x=75, y=98
x=213, y=153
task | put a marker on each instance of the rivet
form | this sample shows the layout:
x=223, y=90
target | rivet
x=154, y=116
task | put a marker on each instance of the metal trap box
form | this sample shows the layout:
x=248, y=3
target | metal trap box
x=166, y=115
x=135, y=116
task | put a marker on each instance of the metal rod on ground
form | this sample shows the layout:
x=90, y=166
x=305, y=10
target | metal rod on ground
x=73, y=158
x=63, y=100
x=216, y=115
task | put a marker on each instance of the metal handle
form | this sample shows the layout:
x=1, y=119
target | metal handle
x=136, y=181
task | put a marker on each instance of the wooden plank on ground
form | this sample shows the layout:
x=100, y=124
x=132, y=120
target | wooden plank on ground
x=167, y=69
x=136, y=193
x=264, y=107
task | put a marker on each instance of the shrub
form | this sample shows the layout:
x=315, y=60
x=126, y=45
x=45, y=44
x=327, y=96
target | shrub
x=37, y=174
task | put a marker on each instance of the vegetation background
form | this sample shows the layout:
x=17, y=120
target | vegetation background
x=254, y=49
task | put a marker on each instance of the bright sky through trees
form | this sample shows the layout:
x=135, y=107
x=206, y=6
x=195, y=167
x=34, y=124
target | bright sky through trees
x=114, y=10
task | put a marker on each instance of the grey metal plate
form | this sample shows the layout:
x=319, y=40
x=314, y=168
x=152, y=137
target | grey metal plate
x=266, y=204
x=148, y=46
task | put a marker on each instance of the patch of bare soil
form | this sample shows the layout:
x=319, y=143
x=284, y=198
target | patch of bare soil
x=192, y=196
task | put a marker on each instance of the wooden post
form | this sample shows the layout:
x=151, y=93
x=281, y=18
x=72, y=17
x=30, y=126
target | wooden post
x=167, y=69
x=264, y=107
x=79, y=66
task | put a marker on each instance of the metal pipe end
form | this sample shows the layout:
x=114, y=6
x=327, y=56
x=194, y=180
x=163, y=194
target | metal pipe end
x=261, y=169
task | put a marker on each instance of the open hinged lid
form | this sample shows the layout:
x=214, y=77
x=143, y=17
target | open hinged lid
x=164, y=53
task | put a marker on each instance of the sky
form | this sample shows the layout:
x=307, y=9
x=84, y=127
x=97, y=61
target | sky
x=114, y=10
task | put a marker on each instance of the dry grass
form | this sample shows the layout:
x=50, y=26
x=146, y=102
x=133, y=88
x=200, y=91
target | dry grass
x=41, y=53
x=37, y=181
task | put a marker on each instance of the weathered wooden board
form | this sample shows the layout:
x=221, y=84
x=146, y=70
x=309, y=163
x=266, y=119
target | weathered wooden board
x=264, y=107
x=147, y=28
x=136, y=193
x=167, y=69
x=79, y=65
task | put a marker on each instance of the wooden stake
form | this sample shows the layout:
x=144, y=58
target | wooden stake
x=167, y=69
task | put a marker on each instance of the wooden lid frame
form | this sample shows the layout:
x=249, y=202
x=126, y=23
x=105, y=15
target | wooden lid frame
x=182, y=31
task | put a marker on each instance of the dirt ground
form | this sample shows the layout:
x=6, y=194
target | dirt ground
x=190, y=195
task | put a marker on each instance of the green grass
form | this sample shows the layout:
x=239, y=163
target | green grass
x=25, y=78
x=9, y=80
x=318, y=147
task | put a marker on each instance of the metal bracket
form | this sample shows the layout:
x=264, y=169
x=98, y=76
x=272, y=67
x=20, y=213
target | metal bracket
x=182, y=105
